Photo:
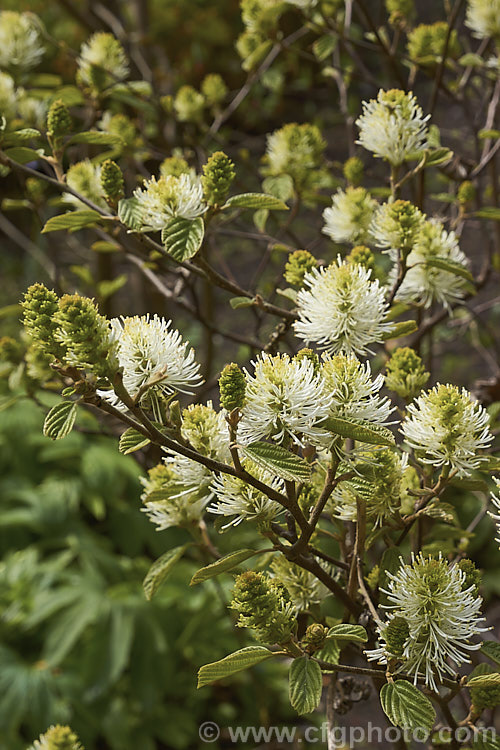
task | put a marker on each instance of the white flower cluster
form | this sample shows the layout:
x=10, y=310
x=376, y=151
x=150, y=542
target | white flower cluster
x=149, y=351
x=102, y=58
x=163, y=199
x=349, y=217
x=442, y=614
x=240, y=501
x=393, y=126
x=446, y=428
x=284, y=398
x=342, y=309
x=483, y=17
x=21, y=44
x=495, y=499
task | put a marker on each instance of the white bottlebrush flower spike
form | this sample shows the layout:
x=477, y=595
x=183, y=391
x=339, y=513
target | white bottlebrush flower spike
x=240, y=501
x=102, y=56
x=426, y=284
x=349, y=217
x=483, y=17
x=341, y=308
x=284, y=397
x=21, y=44
x=392, y=126
x=163, y=199
x=447, y=428
x=8, y=99
x=148, y=349
x=495, y=499
x=442, y=612
x=353, y=393
x=176, y=493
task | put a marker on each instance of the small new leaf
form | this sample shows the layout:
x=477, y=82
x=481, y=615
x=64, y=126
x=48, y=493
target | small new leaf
x=236, y=662
x=257, y=201
x=95, y=137
x=222, y=566
x=278, y=460
x=305, y=685
x=60, y=420
x=183, y=237
x=73, y=220
x=406, y=706
x=484, y=680
x=161, y=569
x=131, y=440
x=451, y=266
x=345, y=632
x=403, y=328
x=358, y=429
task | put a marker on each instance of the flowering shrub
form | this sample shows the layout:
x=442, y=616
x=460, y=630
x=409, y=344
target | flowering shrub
x=332, y=440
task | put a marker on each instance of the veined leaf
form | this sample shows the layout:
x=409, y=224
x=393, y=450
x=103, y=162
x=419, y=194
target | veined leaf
x=451, y=266
x=20, y=136
x=406, y=706
x=236, y=662
x=488, y=212
x=346, y=632
x=491, y=649
x=130, y=213
x=161, y=569
x=306, y=682
x=73, y=220
x=222, y=566
x=280, y=186
x=131, y=440
x=95, y=137
x=484, y=680
x=324, y=46
x=278, y=460
x=183, y=237
x=403, y=328
x=23, y=155
x=60, y=420
x=256, y=200
x=358, y=429
x=438, y=156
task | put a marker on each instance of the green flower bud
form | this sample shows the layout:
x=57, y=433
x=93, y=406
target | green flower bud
x=400, y=11
x=466, y=192
x=35, y=189
x=307, y=498
x=85, y=334
x=373, y=576
x=298, y=264
x=58, y=738
x=174, y=166
x=405, y=373
x=189, y=104
x=121, y=126
x=353, y=171
x=218, y=174
x=232, y=387
x=214, y=89
x=427, y=43
x=472, y=576
x=112, y=181
x=40, y=306
x=314, y=637
x=263, y=605
x=363, y=256
x=11, y=350
x=395, y=634
x=59, y=122
x=38, y=363
x=310, y=355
